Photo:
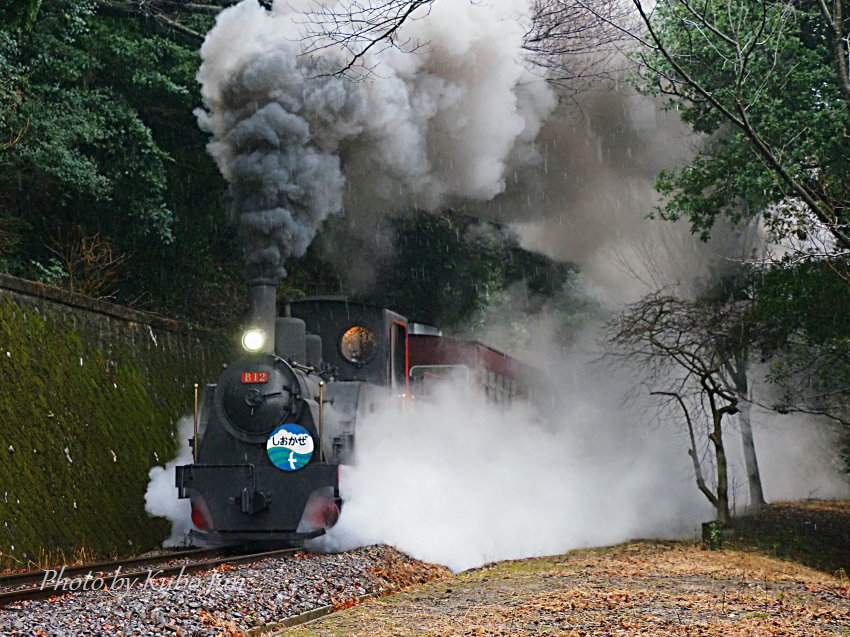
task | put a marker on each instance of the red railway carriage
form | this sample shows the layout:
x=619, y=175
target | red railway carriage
x=433, y=359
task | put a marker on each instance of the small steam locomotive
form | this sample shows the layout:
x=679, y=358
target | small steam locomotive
x=275, y=429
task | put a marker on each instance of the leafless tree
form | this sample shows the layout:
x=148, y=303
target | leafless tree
x=573, y=40
x=360, y=28
x=91, y=264
x=735, y=350
x=684, y=352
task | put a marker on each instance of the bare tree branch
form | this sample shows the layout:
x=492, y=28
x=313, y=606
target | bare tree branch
x=692, y=451
x=572, y=40
x=359, y=28
x=567, y=40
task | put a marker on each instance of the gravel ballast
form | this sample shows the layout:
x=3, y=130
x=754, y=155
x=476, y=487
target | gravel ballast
x=228, y=600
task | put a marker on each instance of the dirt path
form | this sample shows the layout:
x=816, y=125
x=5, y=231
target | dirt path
x=645, y=588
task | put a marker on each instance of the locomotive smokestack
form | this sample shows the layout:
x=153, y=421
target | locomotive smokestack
x=263, y=298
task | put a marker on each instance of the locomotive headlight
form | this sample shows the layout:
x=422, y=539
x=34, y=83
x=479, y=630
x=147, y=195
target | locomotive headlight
x=253, y=339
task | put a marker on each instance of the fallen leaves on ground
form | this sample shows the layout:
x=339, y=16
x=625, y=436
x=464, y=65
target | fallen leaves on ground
x=399, y=571
x=646, y=588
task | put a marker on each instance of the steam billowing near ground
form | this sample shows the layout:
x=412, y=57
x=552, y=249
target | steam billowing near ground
x=463, y=121
x=161, y=499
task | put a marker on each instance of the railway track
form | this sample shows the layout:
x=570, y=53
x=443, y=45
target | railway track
x=17, y=587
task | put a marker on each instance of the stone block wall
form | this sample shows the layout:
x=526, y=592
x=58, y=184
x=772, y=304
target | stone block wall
x=90, y=394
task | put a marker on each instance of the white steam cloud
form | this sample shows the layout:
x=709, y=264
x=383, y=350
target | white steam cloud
x=161, y=496
x=447, y=123
x=800, y=457
x=462, y=482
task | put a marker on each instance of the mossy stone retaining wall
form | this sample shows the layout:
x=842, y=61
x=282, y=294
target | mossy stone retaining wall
x=90, y=394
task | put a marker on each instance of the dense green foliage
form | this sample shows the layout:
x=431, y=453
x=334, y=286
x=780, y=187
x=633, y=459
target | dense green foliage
x=103, y=145
x=761, y=81
x=19, y=15
x=802, y=319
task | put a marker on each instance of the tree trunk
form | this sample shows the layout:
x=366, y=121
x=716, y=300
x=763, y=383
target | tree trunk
x=739, y=377
x=723, y=514
x=722, y=506
x=750, y=460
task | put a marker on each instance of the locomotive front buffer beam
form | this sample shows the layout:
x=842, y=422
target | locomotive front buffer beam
x=244, y=498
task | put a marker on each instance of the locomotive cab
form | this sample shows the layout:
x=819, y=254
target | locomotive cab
x=361, y=342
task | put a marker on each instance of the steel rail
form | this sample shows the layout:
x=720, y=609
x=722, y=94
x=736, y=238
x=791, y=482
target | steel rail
x=39, y=592
x=277, y=629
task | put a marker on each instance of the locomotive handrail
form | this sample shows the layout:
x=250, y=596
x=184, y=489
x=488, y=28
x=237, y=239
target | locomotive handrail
x=321, y=420
x=231, y=465
x=195, y=429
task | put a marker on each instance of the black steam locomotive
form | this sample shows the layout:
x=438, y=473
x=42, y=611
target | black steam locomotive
x=275, y=429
